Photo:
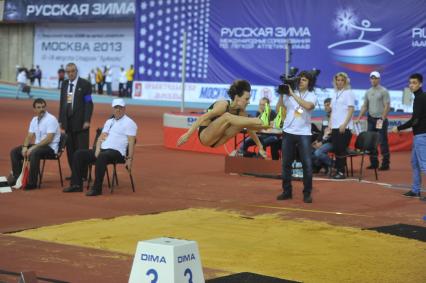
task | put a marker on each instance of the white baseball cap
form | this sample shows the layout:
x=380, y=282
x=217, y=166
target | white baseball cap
x=118, y=102
x=375, y=74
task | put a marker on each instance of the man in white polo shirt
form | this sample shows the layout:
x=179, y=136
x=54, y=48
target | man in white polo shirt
x=115, y=144
x=44, y=130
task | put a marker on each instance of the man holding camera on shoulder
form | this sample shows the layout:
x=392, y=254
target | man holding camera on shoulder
x=299, y=105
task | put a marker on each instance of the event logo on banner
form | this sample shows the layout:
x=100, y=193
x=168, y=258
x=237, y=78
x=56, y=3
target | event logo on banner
x=359, y=54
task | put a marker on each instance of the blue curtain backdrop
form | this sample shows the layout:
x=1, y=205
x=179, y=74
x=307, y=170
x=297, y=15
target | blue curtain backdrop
x=246, y=39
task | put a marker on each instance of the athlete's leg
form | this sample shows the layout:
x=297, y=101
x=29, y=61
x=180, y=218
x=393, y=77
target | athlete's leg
x=229, y=133
x=216, y=129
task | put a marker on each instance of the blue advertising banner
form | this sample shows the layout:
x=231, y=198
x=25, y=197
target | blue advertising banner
x=246, y=39
x=65, y=11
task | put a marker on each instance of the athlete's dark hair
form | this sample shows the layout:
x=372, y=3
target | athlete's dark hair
x=238, y=87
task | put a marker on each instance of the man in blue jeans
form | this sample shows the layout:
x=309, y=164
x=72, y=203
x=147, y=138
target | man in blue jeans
x=418, y=123
x=297, y=134
x=322, y=145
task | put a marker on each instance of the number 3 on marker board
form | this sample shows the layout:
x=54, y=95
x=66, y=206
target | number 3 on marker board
x=188, y=271
x=155, y=279
x=152, y=272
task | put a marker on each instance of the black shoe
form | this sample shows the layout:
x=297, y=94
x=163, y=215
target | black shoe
x=284, y=196
x=339, y=176
x=92, y=192
x=384, y=168
x=423, y=198
x=411, y=194
x=307, y=199
x=73, y=189
x=11, y=180
x=84, y=179
x=372, y=167
x=30, y=187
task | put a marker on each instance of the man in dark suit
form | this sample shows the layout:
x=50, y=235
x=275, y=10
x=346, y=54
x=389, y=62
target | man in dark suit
x=75, y=111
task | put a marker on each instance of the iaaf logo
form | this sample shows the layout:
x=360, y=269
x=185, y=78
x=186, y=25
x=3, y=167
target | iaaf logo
x=371, y=55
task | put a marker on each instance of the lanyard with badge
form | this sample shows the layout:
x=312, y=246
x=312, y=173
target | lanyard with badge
x=38, y=133
x=113, y=122
x=70, y=93
x=339, y=94
x=299, y=109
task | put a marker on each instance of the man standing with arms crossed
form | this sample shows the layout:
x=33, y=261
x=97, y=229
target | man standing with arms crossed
x=377, y=103
x=75, y=111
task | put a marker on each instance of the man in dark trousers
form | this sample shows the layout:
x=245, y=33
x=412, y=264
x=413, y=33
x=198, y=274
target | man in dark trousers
x=115, y=144
x=75, y=111
x=41, y=141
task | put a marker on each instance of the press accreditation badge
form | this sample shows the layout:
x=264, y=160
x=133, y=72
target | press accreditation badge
x=69, y=97
x=325, y=123
x=297, y=114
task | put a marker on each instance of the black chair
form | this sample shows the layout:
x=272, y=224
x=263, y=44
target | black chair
x=366, y=144
x=115, y=177
x=57, y=156
x=114, y=180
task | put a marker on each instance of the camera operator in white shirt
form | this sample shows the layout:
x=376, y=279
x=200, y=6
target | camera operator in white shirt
x=299, y=105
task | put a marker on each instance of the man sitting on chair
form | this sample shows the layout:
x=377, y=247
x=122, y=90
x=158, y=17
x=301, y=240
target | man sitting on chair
x=118, y=134
x=44, y=130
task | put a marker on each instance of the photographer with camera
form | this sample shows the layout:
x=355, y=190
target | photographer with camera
x=297, y=130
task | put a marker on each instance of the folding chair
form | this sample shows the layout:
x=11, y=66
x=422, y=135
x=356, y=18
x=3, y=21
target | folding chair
x=115, y=177
x=57, y=156
x=366, y=143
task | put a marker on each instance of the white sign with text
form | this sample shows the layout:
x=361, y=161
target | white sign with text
x=89, y=46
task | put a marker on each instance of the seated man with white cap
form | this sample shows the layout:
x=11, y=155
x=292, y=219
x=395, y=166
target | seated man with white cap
x=115, y=144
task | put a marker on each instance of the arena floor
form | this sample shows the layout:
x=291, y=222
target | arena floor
x=237, y=222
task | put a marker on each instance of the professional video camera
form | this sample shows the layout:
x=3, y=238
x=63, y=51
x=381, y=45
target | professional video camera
x=293, y=81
